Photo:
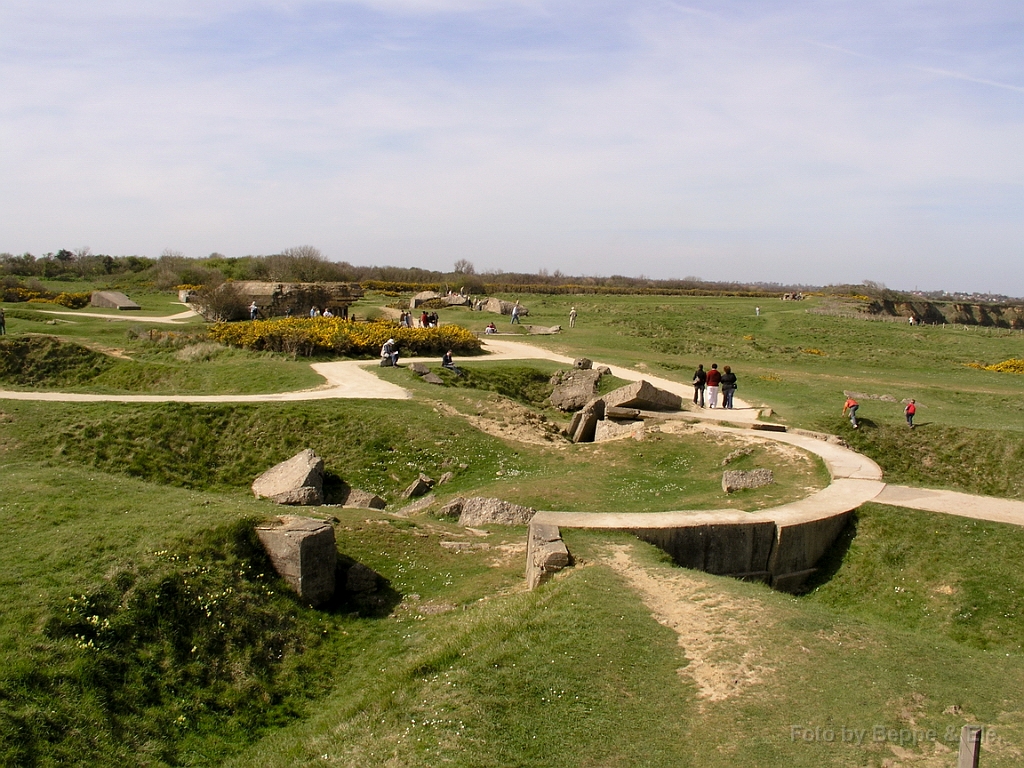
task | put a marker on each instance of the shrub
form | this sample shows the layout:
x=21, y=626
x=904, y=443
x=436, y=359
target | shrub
x=332, y=335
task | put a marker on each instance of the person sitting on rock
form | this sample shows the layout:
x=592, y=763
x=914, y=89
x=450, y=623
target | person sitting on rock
x=389, y=353
x=447, y=362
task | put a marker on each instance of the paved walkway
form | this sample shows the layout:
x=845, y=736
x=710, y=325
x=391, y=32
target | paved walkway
x=855, y=478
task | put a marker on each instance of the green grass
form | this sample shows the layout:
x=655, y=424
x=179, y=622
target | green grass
x=108, y=509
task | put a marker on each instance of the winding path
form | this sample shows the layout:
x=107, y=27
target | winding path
x=855, y=478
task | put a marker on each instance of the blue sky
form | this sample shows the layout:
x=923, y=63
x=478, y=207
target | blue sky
x=813, y=142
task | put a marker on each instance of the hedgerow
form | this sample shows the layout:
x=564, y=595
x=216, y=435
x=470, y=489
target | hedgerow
x=331, y=335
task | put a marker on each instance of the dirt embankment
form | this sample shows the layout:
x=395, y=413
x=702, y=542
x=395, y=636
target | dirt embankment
x=937, y=313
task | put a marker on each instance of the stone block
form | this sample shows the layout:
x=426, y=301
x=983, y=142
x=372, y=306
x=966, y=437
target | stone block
x=419, y=486
x=486, y=511
x=616, y=430
x=304, y=554
x=583, y=363
x=644, y=395
x=433, y=378
x=591, y=414
x=575, y=389
x=740, y=479
x=360, y=499
x=419, y=369
x=546, y=554
x=297, y=481
x=623, y=414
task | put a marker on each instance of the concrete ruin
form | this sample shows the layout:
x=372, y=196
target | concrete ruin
x=112, y=300
x=304, y=554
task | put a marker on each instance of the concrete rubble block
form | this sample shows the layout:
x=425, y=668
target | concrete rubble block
x=768, y=427
x=575, y=389
x=740, y=479
x=433, y=378
x=297, y=481
x=453, y=508
x=591, y=414
x=419, y=369
x=447, y=477
x=617, y=430
x=604, y=370
x=546, y=554
x=644, y=395
x=574, y=424
x=304, y=554
x=419, y=486
x=623, y=414
x=360, y=499
x=421, y=298
x=486, y=511
x=583, y=363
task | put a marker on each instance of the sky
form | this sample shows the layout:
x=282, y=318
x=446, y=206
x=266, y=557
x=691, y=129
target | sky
x=796, y=141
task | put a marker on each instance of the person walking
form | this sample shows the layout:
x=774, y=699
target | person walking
x=713, y=381
x=700, y=378
x=572, y=317
x=253, y=311
x=728, y=386
x=909, y=412
x=3, y=322
x=515, y=314
x=851, y=406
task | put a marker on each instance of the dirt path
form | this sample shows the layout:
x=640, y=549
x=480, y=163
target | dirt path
x=720, y=635
x=169, y=319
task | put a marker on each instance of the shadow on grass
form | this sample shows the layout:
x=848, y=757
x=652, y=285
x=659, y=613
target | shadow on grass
x=362, y=591
x=833, y=560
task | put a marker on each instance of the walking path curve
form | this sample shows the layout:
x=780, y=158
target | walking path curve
x=855, y=478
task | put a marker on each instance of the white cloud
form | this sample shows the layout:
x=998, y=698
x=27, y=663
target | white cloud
x=793, y=144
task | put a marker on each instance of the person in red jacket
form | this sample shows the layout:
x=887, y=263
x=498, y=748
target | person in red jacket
x=910, y=410
x=714, y=379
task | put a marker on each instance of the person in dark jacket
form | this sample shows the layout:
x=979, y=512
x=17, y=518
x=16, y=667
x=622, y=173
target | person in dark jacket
x=700, y=379
x=728, y=384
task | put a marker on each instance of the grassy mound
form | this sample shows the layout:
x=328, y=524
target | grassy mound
x=203, y=642
x=33, y=361
x=526, y=385
x=973, y=460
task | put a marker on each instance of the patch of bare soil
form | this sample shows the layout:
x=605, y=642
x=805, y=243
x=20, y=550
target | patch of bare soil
x=720, y=635
x=504, y=418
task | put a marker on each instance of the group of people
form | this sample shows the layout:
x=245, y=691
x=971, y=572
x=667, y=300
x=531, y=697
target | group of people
x=316, y=312
x=428, y=320
x=712, y=382
x=851, y=405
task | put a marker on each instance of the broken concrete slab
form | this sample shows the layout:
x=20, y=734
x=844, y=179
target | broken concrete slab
x=297, y=481
x=644, y=395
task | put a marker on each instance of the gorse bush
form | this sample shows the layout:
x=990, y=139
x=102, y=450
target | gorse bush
x=332, y=335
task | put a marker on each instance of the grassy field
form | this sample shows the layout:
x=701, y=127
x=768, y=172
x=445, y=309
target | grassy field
x=142, y=625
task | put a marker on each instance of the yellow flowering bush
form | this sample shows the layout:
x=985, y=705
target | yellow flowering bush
x=1013, y=365
x=334, y=335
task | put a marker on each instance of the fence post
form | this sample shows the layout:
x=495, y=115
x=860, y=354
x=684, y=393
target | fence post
x=970, y=746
